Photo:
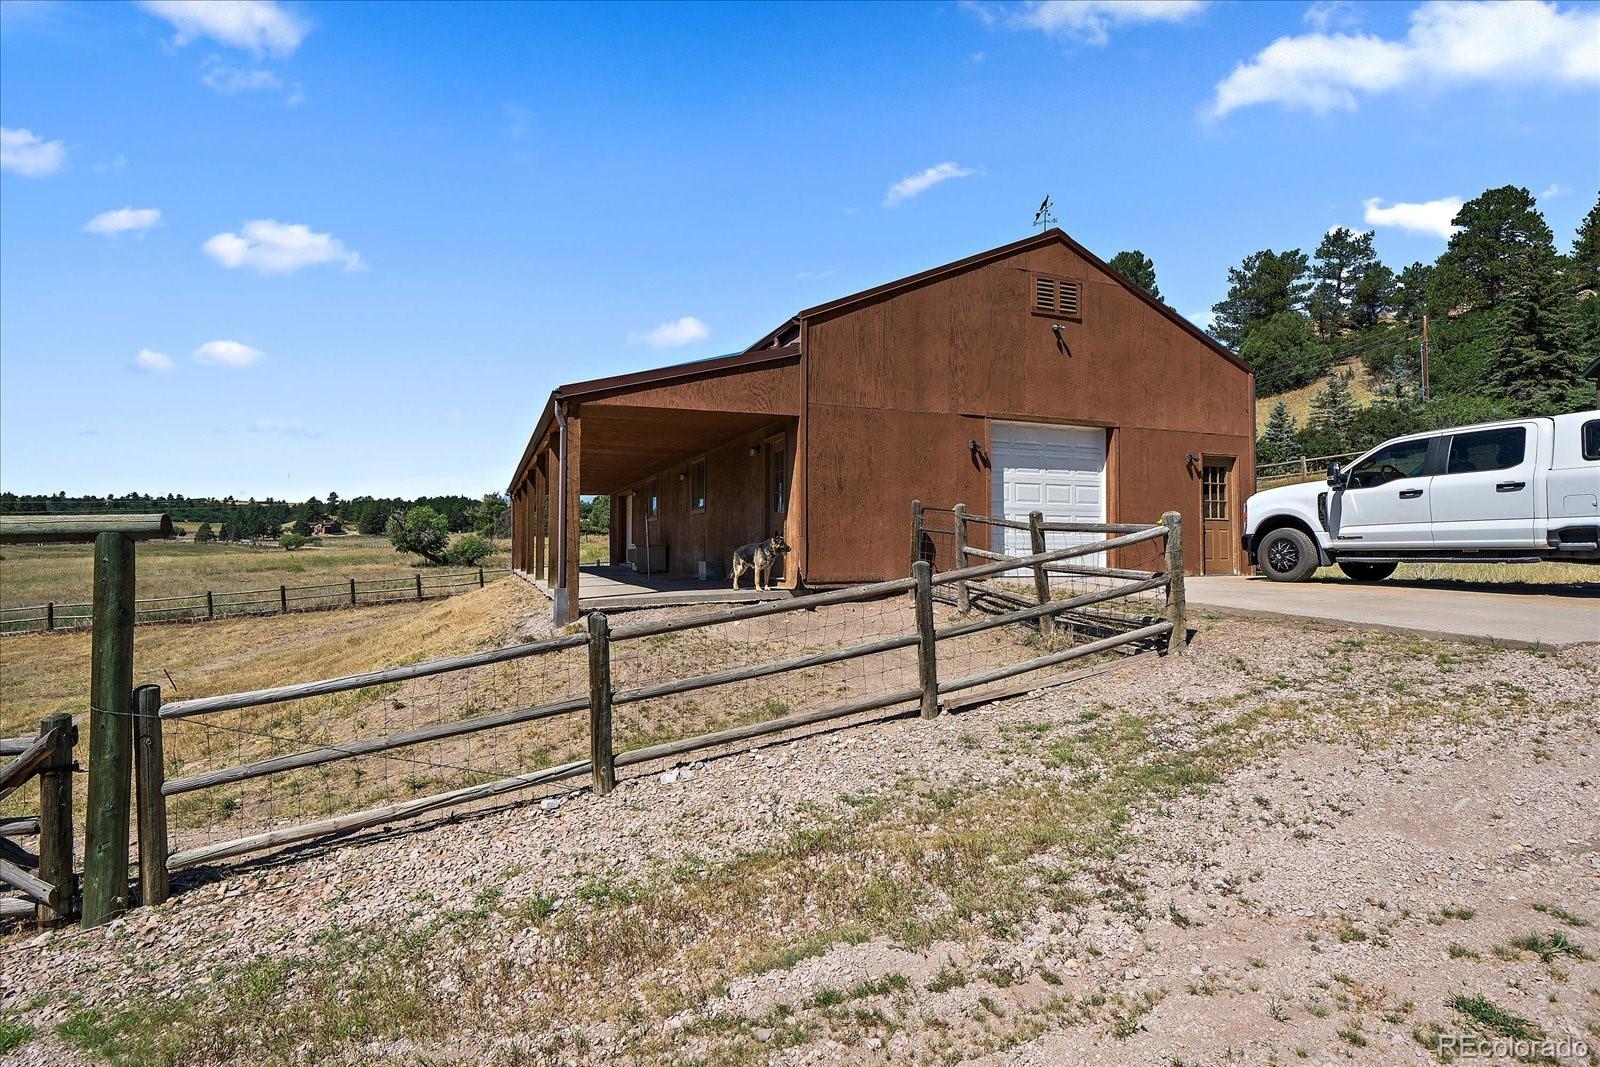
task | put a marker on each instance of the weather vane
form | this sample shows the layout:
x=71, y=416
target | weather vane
x=1042, y=218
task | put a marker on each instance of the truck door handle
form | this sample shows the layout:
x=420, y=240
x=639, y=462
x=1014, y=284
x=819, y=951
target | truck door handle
x=1509, y=487
x=1410, y=494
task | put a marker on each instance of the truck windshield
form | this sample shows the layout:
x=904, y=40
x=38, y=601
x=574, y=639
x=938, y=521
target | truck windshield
x=1403, y=459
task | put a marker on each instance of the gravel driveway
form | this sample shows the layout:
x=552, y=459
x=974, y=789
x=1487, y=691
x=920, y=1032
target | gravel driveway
x=1553, y=620
x=1278, y=847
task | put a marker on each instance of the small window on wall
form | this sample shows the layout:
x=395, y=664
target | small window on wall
x=697, y=486
x=652, y=505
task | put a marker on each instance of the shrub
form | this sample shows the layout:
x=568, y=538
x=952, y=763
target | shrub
x=204, y=533
x=291, y=541
x=302, y=528
x=420, y=530
x=468, y=550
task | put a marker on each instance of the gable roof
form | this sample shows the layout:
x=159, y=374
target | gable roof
x=1043, y=239
x=767, y=349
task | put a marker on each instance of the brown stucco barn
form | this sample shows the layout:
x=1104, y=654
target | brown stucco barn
x=1028, y=377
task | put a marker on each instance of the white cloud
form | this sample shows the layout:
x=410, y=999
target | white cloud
x=123, y=220
x=1448, y=43
x=674, y=334
x=1430, y=217
x=26, y=153
x=1328, y=15
x=150, y=360
x=271, y=247
x=1085, y=21
x=226, y=354
x=225, y=79
x=258, y=26
x=1553, y=190
x=917, y=184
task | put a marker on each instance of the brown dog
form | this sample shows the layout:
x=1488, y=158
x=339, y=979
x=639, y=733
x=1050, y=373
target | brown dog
x=758, y=558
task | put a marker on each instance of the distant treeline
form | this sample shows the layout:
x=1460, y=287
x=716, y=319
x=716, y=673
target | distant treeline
x=249, y=519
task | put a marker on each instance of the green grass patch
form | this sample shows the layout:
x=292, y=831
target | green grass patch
x=1549, y=947
x=1492, y=1017
x=13, y=1034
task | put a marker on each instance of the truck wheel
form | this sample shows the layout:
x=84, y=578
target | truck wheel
x=1287, y=555
x=1367, y=572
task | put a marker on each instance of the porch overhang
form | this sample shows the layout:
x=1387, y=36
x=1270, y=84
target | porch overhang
x=623, y=445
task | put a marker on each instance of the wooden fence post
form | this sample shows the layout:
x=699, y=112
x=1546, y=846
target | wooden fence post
x=1177, y=610
x=1041, y=577
x=963, y=593
x=50, y=615
x=419, y=585
x=480, y=577
x=55, y=820
x=601, y=756
x=352, y=592
x=927, y=663
x=916, y=530
x=149, y=774
x=105, y=859
x=211, y=606
x=283, y=600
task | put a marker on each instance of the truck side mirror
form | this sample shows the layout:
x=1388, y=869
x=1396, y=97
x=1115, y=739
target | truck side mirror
x=1335, y=475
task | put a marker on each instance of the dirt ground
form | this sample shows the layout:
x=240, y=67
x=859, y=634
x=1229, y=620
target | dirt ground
x=1290, y=845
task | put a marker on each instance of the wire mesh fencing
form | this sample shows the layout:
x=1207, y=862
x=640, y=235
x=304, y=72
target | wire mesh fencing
x=277, y=600
x=261, y=763
x=244, y=772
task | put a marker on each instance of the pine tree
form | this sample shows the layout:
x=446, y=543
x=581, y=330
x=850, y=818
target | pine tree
x=1279, y=442
x=1501, y=232
x=1139, y=269
x=1536, y=364
x=1372, y=297
x=1267, y=283
x=1586, y=251
x=1411, y=291
x=1333, y=408
x=1342, y=258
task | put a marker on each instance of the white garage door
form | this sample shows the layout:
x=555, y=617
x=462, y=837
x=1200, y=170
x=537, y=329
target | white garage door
x=1057, y=470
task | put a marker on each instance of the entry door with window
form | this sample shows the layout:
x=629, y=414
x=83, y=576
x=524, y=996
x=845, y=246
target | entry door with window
x=1483, y=492
x=777, y=490
x=1216, y=510
x=1385, y=501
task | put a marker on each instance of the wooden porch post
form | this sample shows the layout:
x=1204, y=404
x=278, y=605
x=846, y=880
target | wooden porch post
x=550, y=490
x=536, y=517
x=569, y=494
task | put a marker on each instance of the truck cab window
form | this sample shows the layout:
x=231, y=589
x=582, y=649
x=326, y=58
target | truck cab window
x=1487, y=450
x=1403, y=459
x=1591, y=439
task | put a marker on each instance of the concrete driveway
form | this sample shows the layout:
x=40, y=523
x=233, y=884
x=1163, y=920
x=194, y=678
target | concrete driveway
x=1568, y=615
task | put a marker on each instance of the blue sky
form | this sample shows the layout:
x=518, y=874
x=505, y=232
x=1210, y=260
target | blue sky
x=282, y=249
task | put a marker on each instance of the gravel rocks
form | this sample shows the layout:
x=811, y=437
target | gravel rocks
x=1325, y=862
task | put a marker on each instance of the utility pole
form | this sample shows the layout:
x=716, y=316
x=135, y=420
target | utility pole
x=1424, y=357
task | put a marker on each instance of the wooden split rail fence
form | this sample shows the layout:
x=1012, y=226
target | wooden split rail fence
x=1165, y=631
x=191, y=607
x=43, y=879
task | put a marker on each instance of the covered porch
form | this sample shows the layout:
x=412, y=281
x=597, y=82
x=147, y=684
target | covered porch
x=697, y=460
x=615, y=587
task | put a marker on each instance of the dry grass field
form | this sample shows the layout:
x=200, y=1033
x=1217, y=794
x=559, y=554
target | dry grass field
x=1298, y=400
x=36, y=574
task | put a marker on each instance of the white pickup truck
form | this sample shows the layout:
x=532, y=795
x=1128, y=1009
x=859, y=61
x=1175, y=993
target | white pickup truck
x=1519, y=491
